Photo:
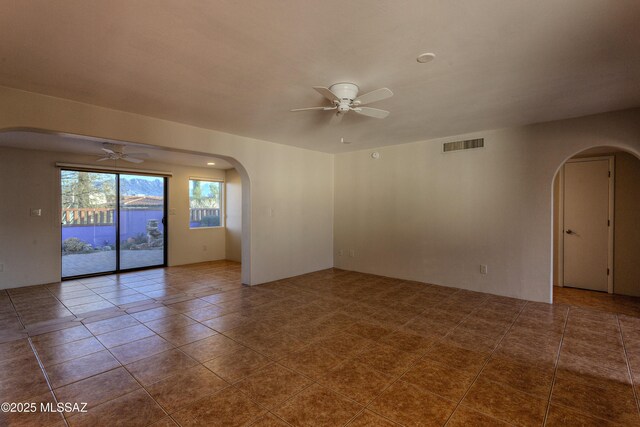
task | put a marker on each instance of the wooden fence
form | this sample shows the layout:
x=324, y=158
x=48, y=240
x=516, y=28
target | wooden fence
x=198, y=213
x=88, y=216
x=106, y=216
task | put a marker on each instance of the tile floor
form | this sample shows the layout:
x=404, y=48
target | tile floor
x=192, y=346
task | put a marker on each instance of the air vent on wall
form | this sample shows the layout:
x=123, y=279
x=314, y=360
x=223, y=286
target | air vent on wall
x=463, y=145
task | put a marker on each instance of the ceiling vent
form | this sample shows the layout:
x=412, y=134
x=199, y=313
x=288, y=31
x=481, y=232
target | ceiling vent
x=463, y=145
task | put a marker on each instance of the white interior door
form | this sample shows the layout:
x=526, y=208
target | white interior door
x=586, y=224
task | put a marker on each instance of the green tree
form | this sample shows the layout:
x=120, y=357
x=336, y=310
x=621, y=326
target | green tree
x=87, y=190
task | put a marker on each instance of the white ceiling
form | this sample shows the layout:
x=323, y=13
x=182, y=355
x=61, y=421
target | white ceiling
x=85, y=146
x=239, y=66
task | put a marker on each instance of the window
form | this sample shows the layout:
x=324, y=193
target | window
x=205, y=203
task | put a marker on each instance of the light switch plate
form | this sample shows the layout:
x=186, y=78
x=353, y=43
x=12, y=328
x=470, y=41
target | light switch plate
x=36, y=212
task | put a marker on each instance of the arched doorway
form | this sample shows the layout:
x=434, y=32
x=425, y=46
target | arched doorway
x=78, y=149
x=602, y=254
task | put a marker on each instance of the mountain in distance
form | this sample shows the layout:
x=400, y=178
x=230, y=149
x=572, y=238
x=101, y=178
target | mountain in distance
x=141, y=186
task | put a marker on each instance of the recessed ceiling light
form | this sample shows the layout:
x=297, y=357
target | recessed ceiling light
x=210, y=163
x=344, y=142
x=426, y=57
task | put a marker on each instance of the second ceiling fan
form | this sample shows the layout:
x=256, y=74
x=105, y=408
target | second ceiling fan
x=344, y=98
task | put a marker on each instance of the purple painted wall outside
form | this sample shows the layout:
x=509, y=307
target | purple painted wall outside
x=132, y=223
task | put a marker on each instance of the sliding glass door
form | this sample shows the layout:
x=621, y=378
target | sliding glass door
x=111, y=222
x=89, y=224
x=141, y=221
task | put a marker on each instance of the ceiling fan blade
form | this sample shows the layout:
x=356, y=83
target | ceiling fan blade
x=336, y=118
x=371, y=112
x=326, y=93
x=103, y=159
x=373, y=96
x=131, y=159
x=108, y=150
x=145, y=155
x=315, y=108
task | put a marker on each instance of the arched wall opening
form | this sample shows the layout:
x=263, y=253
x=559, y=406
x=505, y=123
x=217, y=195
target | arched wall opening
x=624, y=213
x=83, y=149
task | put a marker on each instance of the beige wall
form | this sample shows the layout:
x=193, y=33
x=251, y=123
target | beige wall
x=626, y=247
x=419, y=214
x=233, y=197
x=287, y=201
x=415, y=213
x=626, y=274
x=557, y=233
x=30, y=246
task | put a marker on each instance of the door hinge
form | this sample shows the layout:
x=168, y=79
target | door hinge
x=607, y=271
x=608, y=223
x=609, y=174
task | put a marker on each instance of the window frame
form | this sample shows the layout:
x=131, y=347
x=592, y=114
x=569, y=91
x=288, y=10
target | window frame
x=221, y=196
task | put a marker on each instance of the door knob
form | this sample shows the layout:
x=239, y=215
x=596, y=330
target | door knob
x=570, y=232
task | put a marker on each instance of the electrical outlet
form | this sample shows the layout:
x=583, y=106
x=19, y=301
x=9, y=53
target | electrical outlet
x=36, y=212
x=483, y=269
x=352, y=253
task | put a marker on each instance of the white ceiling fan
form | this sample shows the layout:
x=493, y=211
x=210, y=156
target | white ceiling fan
x=344, y=98
x=116, y=152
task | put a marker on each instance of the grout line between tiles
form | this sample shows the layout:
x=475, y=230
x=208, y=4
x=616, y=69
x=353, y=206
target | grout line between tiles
x=410, y=366
x=555, y=368
x=485, y=364
x=44, y=372
x=626, y=356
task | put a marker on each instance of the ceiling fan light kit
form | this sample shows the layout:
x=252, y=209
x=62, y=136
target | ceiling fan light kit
x=116, y=152
x=344, y=98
